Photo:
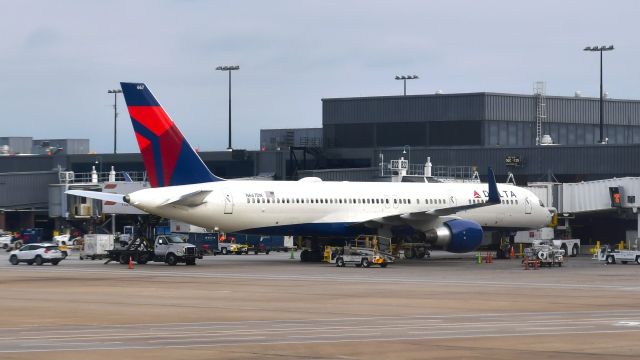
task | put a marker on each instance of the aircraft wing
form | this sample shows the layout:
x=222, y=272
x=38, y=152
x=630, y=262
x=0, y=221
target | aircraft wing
x=118, y=198
x=432, y=215
x=191, y=199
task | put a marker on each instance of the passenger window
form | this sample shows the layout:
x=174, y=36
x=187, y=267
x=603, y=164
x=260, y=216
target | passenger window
x=409, y=201
x=248, y=200
x=386, y=201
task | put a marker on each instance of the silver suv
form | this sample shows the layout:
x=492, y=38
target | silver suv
x=37, y=253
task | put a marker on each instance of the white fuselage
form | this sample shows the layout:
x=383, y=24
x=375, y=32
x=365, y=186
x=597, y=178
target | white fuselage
x=283, y=206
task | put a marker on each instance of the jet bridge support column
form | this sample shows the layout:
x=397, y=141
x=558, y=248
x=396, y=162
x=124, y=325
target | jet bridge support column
x=635, y=246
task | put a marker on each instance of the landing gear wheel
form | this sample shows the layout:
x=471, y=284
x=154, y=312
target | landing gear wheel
x=305, y=256
x=172, y=260
x=317, y=256
x=39, y=260
x=409, y=253
x=365, y=263
x=14, y=260
x=340, y=262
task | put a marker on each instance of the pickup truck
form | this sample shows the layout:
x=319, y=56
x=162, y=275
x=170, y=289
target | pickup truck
x=170, y=249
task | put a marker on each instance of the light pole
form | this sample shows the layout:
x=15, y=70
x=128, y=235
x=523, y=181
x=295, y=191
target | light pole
x=229, y=69
x=115, y=93
x=404, y=151
x=600, y=49
x=404, y=78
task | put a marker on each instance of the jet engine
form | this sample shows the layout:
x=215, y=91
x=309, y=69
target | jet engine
x=457, y=236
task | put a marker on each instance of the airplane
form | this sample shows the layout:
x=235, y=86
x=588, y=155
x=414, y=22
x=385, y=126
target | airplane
x=451, y=216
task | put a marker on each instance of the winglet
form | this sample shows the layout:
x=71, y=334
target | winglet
x=494, y=196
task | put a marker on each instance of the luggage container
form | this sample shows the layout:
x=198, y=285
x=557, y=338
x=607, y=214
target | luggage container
x=95, y=246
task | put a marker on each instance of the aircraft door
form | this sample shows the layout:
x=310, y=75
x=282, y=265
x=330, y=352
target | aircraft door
x=161, y=246
x=453, y=201
x=527, y=206
x=228, y=202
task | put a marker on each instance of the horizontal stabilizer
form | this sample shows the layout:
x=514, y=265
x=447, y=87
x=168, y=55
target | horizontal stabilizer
x=118, y=198
x=191, y=199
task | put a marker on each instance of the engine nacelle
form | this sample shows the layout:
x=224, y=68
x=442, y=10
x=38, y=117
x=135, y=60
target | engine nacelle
x=457, y=236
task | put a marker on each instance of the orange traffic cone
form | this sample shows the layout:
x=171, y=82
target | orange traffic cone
x=130, y=263
x=513, y=253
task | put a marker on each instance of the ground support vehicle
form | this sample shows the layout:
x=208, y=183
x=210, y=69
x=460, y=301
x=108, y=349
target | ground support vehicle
x=36, y=254
x=361, y=257
x=95, y=246
x=262, y=244
x=207, y=243
x=226, y=248
x=170, y=249
x=363, y=251
x=571, y=247
x=6, y=241
x=544, y=254
x=611, y=256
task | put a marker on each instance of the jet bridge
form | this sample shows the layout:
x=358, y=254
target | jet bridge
x=619, y=197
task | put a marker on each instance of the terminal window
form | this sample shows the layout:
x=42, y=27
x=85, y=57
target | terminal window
x=445, y=133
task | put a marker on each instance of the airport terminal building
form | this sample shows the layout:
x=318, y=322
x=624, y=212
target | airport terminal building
x=488, y=129
x=358, y=139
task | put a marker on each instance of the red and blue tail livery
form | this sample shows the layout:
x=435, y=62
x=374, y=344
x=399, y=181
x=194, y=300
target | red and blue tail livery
x=168, y=157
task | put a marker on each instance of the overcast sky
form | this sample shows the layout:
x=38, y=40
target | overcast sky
x=59, y=58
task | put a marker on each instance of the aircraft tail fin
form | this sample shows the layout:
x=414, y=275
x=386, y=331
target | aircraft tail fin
x=168, y=157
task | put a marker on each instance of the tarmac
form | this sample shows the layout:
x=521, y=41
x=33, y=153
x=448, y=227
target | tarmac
x=268, y=306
